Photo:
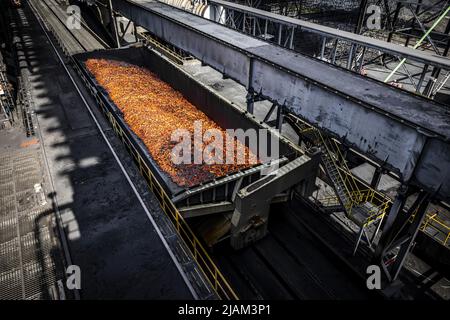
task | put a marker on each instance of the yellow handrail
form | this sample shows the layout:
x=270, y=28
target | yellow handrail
x=367, y=195
x=357, y=196
x=343, y=164
x=434, y=217
x=201, y=256
x=330, y=154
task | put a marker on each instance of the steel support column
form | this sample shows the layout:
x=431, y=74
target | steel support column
x=250, y=102
x=398, y=240
x=279, y=121
x=114, y=23
x=252, y=203
x=410, y=236
x=387, y=231
x=376, y=178
x=361, y=16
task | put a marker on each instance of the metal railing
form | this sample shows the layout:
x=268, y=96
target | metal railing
x=199, y=253
x=176, y=55
x=354, y=195
x=381, y=204
x=346, y=49
x=341, y=175
x=347, y=181
x=432, y=220
x=378, y=211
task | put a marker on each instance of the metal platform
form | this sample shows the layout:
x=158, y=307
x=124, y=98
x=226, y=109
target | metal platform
x=31, y=261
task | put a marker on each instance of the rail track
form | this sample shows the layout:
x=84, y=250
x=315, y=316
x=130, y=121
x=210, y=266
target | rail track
x=290, y=263
x=87, y=45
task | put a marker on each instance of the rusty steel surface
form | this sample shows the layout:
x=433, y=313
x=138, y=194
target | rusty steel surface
x=153, y=110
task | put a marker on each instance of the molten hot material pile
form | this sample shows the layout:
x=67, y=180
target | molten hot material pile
x=153, y=110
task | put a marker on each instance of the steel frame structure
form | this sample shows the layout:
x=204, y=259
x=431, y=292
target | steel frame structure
x=415, y=145
x=418, y=134
x=420, y=15
x=246, y=62
x=355, y=46
x=341, y=48
x=438, y=42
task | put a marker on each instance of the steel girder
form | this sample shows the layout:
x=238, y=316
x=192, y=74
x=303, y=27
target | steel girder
x=332, y=33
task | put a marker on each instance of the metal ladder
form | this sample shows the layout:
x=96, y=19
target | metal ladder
x=343, y=182
x=366, y=208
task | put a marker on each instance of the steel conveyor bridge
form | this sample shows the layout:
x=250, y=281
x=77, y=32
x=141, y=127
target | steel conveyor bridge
x=407, y=133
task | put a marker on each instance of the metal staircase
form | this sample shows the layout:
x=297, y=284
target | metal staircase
x=364, y=206
x=334, y=165
x=367, y=207
x=361, y=204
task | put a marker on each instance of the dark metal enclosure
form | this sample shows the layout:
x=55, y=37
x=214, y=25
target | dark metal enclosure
x=214, y=106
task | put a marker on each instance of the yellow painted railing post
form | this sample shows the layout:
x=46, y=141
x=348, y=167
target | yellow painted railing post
x=212, y=274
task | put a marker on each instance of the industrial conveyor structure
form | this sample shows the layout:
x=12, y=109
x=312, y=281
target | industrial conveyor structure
x=323, y=125
x=330, y=97
x=223, y=195
x=362, y=114
x=364, y=205
x=337, y=111
x=345, y=49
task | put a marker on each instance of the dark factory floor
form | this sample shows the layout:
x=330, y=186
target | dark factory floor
x=108, y=233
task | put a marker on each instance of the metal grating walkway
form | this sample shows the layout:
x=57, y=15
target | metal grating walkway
x=30, y=257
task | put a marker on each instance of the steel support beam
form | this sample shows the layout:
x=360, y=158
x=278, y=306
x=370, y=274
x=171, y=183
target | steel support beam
x=332, y=33
x=206, y=209
x=361, y=16
x=376, y=178
x=400, y=236
x=252, y=203
x=114, y=23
